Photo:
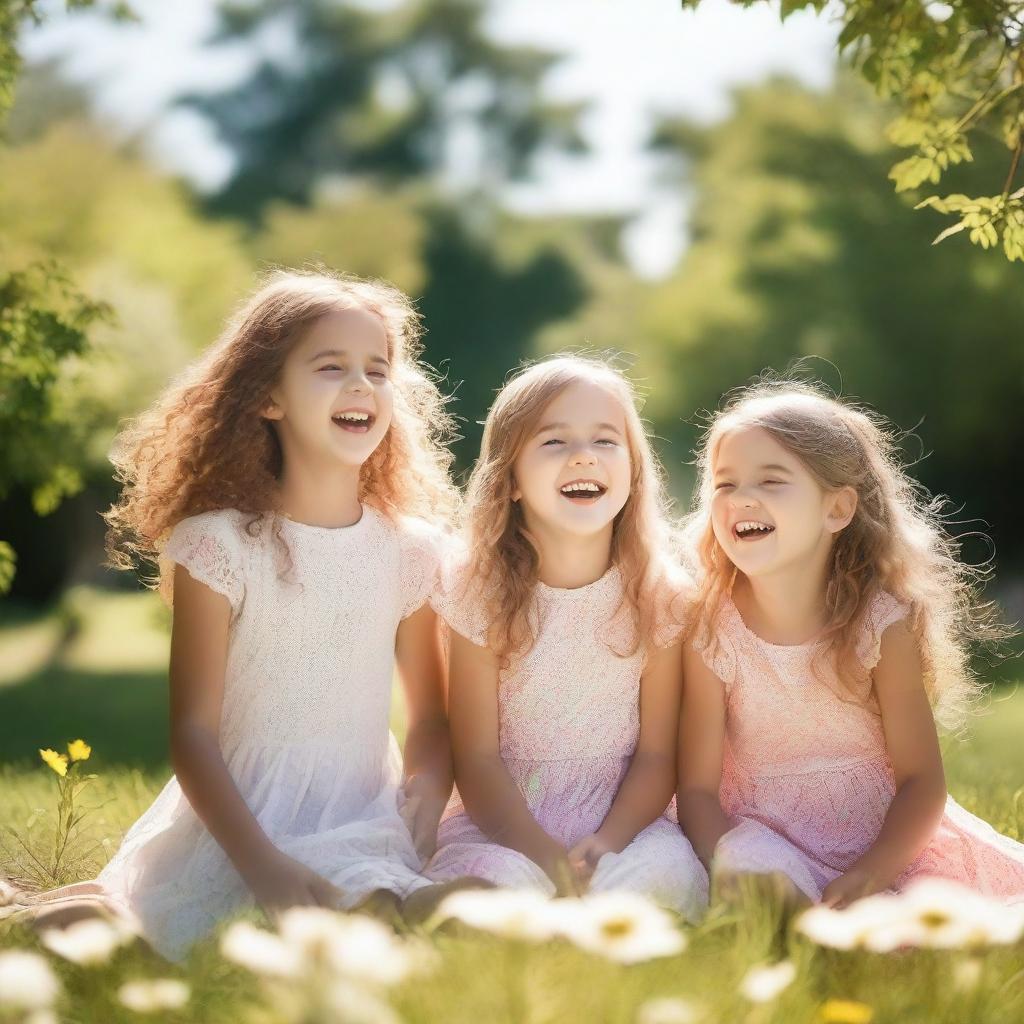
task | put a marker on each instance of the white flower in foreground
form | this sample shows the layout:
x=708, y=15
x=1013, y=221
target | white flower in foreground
x=764, y=983
x=931, y=913
x=87, y=943
x=944, y=915
x=856, y=926
x=354, y=945
x=260, y=951
x=155, y=995
x=622, y=926
x=519, y=914
x=355, y=1005
x=27, y=981
x=668, y=1011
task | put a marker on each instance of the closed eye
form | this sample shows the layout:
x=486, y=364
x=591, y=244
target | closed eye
x=607, y=440
x=552, y=440
x=724, y=483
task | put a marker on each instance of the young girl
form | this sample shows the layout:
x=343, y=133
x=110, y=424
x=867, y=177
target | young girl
x=564, y=673
x=286, y=483
x=834, y=612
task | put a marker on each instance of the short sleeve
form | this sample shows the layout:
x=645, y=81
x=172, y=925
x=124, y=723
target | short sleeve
x=457, y=600
x=882, y=612
x=718, y=641
x=209, y=547
x=674, y=596
x=421, y=551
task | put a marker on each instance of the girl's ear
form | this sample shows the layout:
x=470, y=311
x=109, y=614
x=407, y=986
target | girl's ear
x=843, y=507
x=272, y=411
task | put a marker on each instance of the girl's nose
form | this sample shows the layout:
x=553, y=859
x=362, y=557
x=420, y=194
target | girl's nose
x=359, y=384
x=583, y=457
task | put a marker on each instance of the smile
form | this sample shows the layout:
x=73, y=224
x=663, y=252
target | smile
x=582, y=492
x=752, y=529
x=355, y=421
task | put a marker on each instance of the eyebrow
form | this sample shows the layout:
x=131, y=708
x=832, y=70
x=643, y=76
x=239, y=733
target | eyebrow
x=565, y=426
x=771, y=467
x=340, y=352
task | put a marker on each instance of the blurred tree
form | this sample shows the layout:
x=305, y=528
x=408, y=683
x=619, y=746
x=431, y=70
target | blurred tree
x=133, y=240
x=799, y=249
x=43, y=322
x=400, y=92
x=956, y=71
x=377, y=139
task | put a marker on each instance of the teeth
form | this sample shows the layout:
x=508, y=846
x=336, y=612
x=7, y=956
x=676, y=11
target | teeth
x=750, y=525
x=353, y=417
x=581, y=488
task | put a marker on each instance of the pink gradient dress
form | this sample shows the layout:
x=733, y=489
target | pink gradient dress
x=806, y=778
x=569, y=722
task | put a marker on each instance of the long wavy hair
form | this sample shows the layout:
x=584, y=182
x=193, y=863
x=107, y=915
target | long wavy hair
x=205, y=444
x=504, y=557
x=897, y=541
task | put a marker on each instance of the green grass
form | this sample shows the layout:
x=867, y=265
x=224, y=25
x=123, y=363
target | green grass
x=105, y=680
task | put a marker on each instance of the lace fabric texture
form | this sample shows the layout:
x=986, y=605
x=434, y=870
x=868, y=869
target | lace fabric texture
x=568, y=725
x=304, y=729
x=806, y=779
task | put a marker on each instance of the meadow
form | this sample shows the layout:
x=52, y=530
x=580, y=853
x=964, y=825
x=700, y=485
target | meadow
x=94, y=667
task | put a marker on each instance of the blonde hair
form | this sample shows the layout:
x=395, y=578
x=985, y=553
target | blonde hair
x=503, y=556
x=896, y=541
x=205, y=444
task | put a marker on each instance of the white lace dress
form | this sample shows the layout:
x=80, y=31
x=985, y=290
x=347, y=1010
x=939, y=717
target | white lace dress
x=569, y=722
x=304, y=729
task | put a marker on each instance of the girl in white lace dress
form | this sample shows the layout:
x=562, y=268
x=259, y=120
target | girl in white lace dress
x=287, y=485
x=565, y=666
x=835, y=622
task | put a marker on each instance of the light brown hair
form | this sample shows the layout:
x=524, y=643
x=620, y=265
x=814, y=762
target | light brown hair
x=505, y=559
x=896, y=541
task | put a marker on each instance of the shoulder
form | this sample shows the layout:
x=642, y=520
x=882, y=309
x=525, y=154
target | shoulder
x=211, y=546
x=883, y=611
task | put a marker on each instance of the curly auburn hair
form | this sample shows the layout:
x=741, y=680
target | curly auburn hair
x=895, y=542
x=205, y=444
x=503, y=556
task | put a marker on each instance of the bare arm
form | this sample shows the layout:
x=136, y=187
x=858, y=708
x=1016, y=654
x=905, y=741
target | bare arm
x=647, y=787
x=701, y=744
x=913, y=749
x=199, y=644
x=428, y=755
x=493, y=800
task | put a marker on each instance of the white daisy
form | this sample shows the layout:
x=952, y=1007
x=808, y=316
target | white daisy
x=152, y=996
x=622, y=926
x=764, y=983
x=260, y=951
x=87, y=943
x=27, y=981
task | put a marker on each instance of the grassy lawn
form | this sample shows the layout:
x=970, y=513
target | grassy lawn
x=95, y=668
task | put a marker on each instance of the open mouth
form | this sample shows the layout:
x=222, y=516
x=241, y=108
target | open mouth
x=751, y=529
x=354, y=421
x=582, y=492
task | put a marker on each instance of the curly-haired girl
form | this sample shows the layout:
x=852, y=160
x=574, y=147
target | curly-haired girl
x=292, y=486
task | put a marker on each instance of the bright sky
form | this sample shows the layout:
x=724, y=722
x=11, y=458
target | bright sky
x=629, y=58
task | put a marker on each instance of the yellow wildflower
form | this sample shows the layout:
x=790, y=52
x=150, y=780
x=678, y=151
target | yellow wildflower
x=58, y=762
x=79, y=750
x=845, y=1011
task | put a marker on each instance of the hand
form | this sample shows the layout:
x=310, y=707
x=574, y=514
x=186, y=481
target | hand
x=421, y=804
x=583, y=857
x=852, y=885
x=279, y=882
x=557, y=867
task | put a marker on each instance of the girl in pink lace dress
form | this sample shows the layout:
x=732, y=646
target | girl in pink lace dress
x=286, y=483
x=834, y=629
x=565, y=653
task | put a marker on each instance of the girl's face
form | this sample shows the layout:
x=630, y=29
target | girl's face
x=573, y=472
x=334, y=399
x=768, y=512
